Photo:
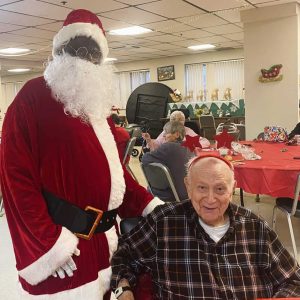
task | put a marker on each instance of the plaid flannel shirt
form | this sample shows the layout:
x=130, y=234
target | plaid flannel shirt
x=249, y=262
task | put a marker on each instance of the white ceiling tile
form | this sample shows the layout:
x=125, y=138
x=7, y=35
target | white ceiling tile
x=35, y=32
x=19, y=38
x=223, y=29
x=20, y=19
x=136, y=2
x=165, y=38
x=270, y=3
x=109, y=24
x=235, y=36
x=186, y=43
x=214, y=5
x=171, y=8
x=195, y=34
x=55, y=26
x=92, y=5
x=230, y=44
x=169, y=26
x=2, y=2
x=232, y=16
x=202, y=21
x=133, y=15
x=214, y=39
x=4, y=27
x=41, y=9
x=165, y=46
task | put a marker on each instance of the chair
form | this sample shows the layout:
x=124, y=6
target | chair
x=208, y=126
x=128, y=223
x=261, y=136
x=231, y=129
x=159, y=178
x=193, y=125
x=242, y=129
x=128, y=151
x=291, y=208
x=1, y=206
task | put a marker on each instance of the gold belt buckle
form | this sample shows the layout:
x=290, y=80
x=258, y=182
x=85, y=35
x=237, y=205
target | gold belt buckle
x=97, y=220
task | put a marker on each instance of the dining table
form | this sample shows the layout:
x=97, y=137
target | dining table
x=274, y=174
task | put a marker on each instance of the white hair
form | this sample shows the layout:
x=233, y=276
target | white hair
x=177, y=115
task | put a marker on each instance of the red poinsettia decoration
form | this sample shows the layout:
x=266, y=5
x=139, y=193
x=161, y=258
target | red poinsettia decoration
x=224, y=139
x=191, y=142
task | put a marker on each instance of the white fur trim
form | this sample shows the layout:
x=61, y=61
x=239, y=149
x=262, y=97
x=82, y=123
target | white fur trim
x=151, y=205
x=45, y=266
x=112, y=240
x=81, y=29
x=92, y=291
x=107, y=141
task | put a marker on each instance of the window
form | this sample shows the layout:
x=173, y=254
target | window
x=203, y=79
x=129, y=81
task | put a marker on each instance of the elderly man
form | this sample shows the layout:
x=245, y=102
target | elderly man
x=59, y=157
x=206, y=247
x=176, y=116
x=173, y=155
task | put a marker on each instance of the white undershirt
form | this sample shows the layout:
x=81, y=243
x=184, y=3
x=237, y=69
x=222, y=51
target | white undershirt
x=215, y=232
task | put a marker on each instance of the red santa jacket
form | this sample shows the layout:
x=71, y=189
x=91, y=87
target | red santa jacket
x=43, y=148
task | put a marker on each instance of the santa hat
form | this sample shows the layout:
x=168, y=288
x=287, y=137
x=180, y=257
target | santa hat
x=81, y=22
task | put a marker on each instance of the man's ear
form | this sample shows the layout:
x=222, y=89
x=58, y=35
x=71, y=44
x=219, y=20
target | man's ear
x=234, y=186
x=187, y=183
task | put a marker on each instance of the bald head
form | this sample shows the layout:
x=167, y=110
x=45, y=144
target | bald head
x=202, y=164
x=210, y=184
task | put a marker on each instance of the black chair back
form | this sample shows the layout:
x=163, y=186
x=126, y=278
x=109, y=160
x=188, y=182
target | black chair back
x=128, y=224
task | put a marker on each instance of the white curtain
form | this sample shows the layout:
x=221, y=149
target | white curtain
x=138, y=78
x=194, y=83
x=125, y=88
x=129, y=81
x=224, y=75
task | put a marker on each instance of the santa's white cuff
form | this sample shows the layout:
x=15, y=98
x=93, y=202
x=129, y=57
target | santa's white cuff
x=45, y=266
x=151, y=205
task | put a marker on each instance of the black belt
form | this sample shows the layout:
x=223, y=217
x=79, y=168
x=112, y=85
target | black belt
x=84, y=223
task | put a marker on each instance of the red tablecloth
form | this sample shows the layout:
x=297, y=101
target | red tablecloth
x=275, y=174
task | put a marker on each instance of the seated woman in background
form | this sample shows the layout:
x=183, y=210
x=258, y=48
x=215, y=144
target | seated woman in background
x=174, y=156
x=176, y=116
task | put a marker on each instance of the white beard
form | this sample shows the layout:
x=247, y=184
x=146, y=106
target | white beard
x=86, y=90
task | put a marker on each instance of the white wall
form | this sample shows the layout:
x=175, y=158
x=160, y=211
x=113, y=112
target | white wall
x=179, y=62
x=271, y=37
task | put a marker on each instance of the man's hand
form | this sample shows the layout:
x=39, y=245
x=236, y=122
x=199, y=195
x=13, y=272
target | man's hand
x=67, y=268
x=127, y=295
x=146, y=136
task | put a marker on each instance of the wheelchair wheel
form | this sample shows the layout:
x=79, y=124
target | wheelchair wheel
x=135, y=152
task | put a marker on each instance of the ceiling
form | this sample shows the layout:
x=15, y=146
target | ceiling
x=176, y=24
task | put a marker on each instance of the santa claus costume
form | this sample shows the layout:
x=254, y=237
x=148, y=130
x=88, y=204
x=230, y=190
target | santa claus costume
x=44, y=147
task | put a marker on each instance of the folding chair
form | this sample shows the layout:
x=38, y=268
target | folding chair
x=208, y=126
x=231, y=129
x=129, y=223
x=1, y=206
x=291, y=208
x=242, y=130
x=158, y=177
x=128, y=151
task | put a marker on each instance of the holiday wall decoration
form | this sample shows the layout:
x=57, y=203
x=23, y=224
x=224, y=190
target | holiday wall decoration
x=271, y=74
